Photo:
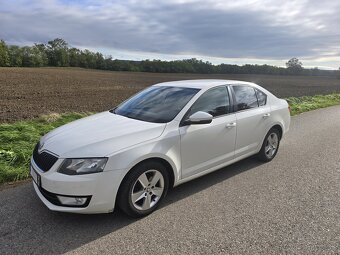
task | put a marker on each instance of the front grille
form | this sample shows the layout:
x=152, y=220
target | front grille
x=43, y=160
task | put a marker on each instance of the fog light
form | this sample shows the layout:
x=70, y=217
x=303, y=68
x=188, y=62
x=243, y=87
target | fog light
x=75, y=201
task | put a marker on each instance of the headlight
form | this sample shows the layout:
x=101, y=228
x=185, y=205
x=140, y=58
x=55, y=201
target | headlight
x=82, y=166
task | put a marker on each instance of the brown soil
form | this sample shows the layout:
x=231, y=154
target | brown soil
x=29, y=92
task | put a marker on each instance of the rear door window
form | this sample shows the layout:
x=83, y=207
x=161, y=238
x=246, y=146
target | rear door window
x=245, y=97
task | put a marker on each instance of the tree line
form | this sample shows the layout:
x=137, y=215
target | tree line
x=58, y=53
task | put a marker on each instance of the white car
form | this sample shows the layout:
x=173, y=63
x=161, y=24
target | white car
x=167, y=134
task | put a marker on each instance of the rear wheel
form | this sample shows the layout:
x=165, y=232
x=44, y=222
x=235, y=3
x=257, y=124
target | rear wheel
x=270, y=145
x=143, y=189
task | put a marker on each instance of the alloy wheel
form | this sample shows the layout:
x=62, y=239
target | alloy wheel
x=271, y=145
x=147, y=190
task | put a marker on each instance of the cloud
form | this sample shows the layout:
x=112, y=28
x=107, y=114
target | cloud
x=249, y=29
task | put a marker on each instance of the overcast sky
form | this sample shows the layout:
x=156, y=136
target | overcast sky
x=236, y=31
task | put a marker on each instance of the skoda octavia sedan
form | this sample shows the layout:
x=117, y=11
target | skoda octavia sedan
x=167, y=134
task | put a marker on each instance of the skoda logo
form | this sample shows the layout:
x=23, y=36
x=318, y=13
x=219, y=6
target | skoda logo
x=41, y=145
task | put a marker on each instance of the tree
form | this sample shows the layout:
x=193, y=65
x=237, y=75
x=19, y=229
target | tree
x=15, y=55
x=40, y=52
x=294, y=66
x=100, y=62
x=4, y=57
x=74, y=55
x=57, y=51
x=33, y=57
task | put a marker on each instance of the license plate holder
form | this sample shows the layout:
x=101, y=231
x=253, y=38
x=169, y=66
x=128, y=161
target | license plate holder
x=36, y=177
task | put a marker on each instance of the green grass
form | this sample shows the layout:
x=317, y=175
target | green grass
x=307, y=103
x=18, y=139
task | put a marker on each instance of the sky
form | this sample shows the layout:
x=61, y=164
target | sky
x=219, y=31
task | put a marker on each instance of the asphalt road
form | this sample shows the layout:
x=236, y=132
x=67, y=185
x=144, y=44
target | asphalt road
x=288, y=206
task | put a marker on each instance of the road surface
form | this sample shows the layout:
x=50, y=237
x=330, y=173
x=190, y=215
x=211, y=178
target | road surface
x=290, y=205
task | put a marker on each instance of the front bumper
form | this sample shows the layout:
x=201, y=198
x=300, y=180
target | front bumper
x=100, y=189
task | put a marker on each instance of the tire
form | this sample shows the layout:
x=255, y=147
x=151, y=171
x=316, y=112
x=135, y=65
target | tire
x=143, y=189
x=270, y=145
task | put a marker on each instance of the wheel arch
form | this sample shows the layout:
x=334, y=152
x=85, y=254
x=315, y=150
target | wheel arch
x=279, y=128
x=170, y=169
x=164, y=162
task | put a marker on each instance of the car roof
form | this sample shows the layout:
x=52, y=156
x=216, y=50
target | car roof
x=202, y=83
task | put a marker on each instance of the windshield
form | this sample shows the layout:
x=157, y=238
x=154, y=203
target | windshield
x=158, y=104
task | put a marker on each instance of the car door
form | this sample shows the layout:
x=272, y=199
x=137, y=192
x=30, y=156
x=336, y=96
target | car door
x=253, y=119
x=204, y=146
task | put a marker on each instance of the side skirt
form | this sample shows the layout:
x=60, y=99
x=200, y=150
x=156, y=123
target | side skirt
x=210, y=170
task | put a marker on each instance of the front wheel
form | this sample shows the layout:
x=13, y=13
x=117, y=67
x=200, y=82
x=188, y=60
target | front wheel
x=270, y=146
x=143, y=189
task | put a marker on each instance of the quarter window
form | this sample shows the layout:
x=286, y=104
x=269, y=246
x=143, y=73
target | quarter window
x=261, y=97
x=245, y=97
x=215, y=102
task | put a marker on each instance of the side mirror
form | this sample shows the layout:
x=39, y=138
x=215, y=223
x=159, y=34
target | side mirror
x=199, y=118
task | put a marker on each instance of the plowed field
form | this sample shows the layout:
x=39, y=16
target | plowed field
x=29, y=92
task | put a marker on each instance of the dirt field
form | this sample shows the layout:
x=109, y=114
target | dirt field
x=30, y=92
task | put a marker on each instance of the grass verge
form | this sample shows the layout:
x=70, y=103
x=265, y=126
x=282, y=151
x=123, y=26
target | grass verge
x=307, y=103
x=18, y=139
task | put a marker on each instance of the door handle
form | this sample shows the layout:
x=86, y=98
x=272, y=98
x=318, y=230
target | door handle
x=231, y=125
x=266, y=115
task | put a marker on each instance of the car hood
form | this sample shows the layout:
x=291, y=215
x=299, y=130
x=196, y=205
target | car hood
x=99, y=135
